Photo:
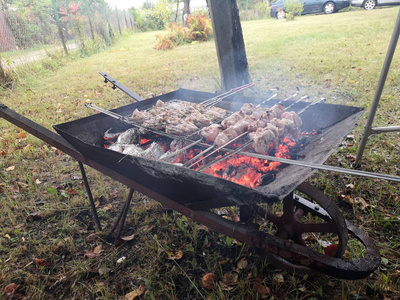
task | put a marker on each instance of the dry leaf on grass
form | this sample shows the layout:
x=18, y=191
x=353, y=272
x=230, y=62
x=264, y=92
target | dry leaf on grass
x=40, y=262
x=331, y=250
x=174, y=255
x=21, y=135
x=208, y=281
x=91, y=237
x=11, y=289
x=128, y=238
x=99, y=249
x=132, y=295
x=242, y=264
x=230, y=279
x=12, y=168
x=262, y=290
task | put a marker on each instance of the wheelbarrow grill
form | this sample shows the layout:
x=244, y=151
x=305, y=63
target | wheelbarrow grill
x=192, y=193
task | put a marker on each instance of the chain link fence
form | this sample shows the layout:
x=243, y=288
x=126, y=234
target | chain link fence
x=29, y=29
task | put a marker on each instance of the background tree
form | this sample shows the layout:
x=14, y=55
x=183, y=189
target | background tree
x=186, y=12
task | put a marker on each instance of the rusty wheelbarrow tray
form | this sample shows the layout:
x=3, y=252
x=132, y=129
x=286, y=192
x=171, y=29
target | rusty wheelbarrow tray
x=284, y=249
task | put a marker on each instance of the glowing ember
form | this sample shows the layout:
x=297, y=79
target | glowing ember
x=248, y=171
x=144, y=141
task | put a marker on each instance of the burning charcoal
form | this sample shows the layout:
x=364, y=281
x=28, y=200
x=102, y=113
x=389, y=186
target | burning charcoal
x=133, y=150
x=267, y=178
x=110, y=134
x=155, y=151
x=131, y=136
x=229, y=171
x=177, y=145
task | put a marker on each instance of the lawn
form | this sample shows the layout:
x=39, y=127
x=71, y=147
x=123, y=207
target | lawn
x=48, y=243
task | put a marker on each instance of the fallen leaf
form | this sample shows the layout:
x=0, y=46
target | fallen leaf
x=235, y=218
x=7, y=236
x=230, y=279
x=10, y=289
x=262, y=290
x=128, y=238
x=98, y=250
x=91, y=237
x=12, y=168
x=174, y=255
x=132, y=295
x=90, y=254
x=37, y=181
x=242, y=264
x=21, y=135
x=40, y=262
x=359, y=69
x=361, y=203
x=331, y=250
x=208, y=281
x=72, y=192
x=278, y=279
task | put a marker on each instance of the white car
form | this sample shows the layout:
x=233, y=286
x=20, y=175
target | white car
x=370, y=4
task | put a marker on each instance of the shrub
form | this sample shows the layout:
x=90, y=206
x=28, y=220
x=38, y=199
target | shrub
x=200, y=29
x=154, y=17
x=293, y=8
x=262, y=9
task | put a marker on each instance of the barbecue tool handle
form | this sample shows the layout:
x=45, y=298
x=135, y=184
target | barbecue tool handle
x=116, y=84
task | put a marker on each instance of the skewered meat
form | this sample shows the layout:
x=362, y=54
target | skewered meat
x=211, y=132
x=292, y=116
x=221, y=139
x=262, y=140
x=169, y=116
x=139, y=115
x=198, y=119
x=184, y=127
x=231, y=120
x=266, y=126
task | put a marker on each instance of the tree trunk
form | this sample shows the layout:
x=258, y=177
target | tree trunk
x=186, y=12
x=229, y=43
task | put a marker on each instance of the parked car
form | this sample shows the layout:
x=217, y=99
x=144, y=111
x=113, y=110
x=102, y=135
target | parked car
x=371, y=4
x=310, y=7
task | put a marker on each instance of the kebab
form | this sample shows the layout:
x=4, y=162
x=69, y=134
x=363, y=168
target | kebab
x=264, y=125
x=251, y=141
x=215, y=129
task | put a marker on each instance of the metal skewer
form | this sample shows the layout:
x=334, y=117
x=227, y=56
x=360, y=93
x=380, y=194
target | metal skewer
x=246, y=144
x=193, y=161
x=190, y=163
x=212, y=101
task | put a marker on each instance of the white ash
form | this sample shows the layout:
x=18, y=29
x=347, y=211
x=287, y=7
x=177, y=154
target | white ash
x=153, y=152
x=130, y=136
x=133, y=150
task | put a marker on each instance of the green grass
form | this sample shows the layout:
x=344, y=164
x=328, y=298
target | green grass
x=336, y=56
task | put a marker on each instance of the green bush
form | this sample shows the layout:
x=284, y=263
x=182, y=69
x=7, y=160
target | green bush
x=200, y=29
x=262, y=9
x=293, y=8
x=154, y=17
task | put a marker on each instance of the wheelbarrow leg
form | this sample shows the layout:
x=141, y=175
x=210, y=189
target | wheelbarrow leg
x=96, y=216
x=122, y=215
